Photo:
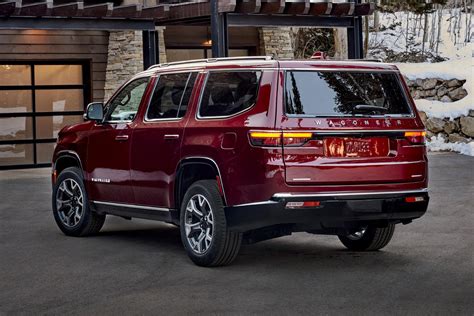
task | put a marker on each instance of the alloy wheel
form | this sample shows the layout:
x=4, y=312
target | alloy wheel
x=199, y=224
x=358, y=234
x=70, y=202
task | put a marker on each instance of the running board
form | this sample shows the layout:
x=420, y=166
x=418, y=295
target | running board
x=136, y=211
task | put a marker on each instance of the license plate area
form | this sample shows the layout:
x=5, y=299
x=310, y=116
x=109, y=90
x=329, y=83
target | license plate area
x=352, y=147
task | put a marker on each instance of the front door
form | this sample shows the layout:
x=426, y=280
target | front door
x=156, y=140
x=108, y=157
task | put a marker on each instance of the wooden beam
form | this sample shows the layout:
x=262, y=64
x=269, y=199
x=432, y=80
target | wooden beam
x=297, y=6
x=69, y=9
x=155, y=12
x=37, y=9
x=98, y=10
x=343, y=9
x=248, y=6
x=128, y=11
x=320, y=8
x=10, y=8
x=364, y=9
x=273, y=6
x=195, y=9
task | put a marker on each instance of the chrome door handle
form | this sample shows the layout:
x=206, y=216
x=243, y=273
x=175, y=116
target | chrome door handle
x=121, y=138
x=171, y=136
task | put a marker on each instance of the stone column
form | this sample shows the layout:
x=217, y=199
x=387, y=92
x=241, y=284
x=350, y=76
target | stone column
x=161, y=43
x=124, y=59
x=276, y=41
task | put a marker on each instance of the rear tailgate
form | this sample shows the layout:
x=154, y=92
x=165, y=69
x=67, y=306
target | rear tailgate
x=355, y=128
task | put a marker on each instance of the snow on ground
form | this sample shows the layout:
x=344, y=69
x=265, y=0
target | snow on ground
x=437, y=143
x=452, y=69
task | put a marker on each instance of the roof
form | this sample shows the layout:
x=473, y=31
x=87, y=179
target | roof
x=269, y=62
x=189, y=12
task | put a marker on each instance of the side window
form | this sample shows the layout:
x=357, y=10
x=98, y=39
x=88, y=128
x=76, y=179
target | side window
x=171, y=96
x=227, y=93
x=125, y=105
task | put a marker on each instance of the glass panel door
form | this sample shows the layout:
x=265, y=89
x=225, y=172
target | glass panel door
x=37, y=99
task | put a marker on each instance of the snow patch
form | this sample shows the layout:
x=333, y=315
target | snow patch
x=437, y=143
x=452, y=69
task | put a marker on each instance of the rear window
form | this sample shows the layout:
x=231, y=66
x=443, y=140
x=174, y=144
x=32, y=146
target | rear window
x=324, y=93
x=228, y=93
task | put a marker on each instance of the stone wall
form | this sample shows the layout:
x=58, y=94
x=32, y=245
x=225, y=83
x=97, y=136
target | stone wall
x=125, y=58
x=460, y=129
x=276, y=41
x=437, y=89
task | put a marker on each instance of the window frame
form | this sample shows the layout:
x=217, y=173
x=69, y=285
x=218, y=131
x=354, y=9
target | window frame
x=220, y=117
x=115, y=95
x=397, y=75
x=158, y=76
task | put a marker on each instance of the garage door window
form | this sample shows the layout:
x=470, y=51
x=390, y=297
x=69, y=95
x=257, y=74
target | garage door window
x=37, y=99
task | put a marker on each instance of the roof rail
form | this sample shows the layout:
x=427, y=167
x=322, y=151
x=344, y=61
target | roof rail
x=210, y=60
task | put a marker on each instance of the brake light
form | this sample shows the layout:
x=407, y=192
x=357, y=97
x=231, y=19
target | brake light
x=276, y=138
x=416, y=137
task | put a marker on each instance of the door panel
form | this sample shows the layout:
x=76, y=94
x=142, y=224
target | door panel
x=156, y=140
x=109, y=146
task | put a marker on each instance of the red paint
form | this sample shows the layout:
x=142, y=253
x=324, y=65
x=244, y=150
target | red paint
x=142, y=169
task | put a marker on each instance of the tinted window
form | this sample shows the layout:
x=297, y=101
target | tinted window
x=124, y=106
x=171, y=96
x=227, y=93
x=344, y=93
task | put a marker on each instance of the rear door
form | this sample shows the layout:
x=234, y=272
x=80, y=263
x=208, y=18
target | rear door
x=353, y=128
x=156, y=140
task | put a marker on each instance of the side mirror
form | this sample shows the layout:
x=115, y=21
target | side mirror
x=95, y=111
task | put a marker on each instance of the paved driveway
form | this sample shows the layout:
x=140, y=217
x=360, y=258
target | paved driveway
x=139, y=267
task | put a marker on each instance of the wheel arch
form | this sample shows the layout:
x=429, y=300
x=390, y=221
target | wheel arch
x=66, y=159
x=193, y=169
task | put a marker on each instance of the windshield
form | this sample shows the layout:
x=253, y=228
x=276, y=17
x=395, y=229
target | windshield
x=344, y=93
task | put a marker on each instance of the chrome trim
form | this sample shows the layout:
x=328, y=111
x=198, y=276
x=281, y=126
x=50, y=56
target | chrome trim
x=172, y=119
x=171, y=136
x=215, y=164
x=151, y=208
x=332, y=194
x=255, y=203
x=358, y=164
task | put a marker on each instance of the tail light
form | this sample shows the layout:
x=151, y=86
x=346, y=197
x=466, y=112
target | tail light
x=277, y=138
x=417, y=137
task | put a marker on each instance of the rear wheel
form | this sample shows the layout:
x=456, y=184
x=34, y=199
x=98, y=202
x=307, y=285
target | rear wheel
x=203, y=226
x=71, y=205
x=368, y=238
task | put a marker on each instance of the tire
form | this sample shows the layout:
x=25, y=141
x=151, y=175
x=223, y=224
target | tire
x=72, y=218
x=222, y=246
x=373, y=238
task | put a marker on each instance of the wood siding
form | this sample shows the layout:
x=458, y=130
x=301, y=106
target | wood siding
x=59, y=45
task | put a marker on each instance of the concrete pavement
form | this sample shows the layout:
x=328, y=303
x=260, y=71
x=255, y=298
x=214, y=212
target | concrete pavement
x=140, y=267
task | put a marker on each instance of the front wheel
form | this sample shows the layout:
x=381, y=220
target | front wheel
x=203, y=226
x=71, y=205
x=368, y=238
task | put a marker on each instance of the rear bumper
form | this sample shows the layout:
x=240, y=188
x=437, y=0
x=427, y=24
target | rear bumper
x=334, y=211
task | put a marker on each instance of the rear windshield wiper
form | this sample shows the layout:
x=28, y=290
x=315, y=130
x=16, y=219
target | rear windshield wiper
x=366, y=108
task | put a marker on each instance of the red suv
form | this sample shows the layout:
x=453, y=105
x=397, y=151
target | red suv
x=239, y=150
